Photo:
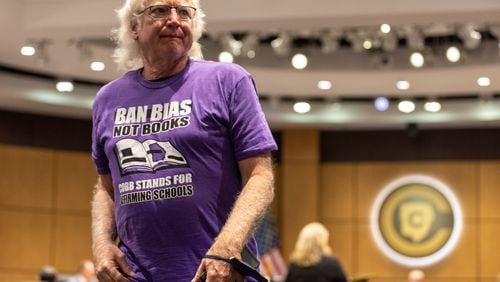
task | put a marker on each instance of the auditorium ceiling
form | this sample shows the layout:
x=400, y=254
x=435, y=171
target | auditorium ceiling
x=343, y=41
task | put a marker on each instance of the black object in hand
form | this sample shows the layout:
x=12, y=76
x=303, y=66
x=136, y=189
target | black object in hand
x=246, y=270
x=247, y=266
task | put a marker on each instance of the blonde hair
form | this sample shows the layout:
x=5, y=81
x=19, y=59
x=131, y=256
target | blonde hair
x=127, y=54
x=311, y=245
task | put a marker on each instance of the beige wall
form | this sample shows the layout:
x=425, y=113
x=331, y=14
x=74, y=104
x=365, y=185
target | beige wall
x=343, y=194
x=44, y=210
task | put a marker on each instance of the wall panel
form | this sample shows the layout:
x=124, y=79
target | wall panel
x=75, y=179
x=370, y=259
x=341, y=235
x=489, y=248
x=300, y=202
x=26, y=239
x=337, y=191
x=300, y=184
x=489, y=193
x=7, y=276
x=44, y=210
x=72, y=241
x=26, y=177
x=300, y=145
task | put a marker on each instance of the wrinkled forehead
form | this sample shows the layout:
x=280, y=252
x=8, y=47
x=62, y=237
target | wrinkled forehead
x=147, y=3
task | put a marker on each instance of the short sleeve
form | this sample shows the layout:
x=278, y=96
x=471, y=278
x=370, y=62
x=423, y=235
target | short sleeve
x=98, y=154
x=250, y=132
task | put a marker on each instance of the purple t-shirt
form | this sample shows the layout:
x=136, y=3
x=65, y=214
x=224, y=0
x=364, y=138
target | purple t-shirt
x=172, y=148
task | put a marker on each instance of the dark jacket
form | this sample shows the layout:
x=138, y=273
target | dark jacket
x=327, y=270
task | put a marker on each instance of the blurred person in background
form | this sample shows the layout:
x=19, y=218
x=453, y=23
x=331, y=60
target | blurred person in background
x=85, y=273
x=312, y=258
x=416, y=275
x=48, y=273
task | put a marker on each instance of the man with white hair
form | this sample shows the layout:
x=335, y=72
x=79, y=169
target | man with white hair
x=182, y=151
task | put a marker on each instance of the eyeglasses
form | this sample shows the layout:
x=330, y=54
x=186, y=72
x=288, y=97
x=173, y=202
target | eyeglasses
x=159, y=12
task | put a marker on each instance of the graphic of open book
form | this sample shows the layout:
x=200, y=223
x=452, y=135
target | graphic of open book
x=148, y=156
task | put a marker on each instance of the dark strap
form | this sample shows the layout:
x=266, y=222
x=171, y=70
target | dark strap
x=240, y=266
x=215, y=257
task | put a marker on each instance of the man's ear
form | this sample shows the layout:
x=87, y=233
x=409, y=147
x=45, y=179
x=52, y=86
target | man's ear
x=134, y=30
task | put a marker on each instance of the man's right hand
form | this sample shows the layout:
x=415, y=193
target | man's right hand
x=110, y=263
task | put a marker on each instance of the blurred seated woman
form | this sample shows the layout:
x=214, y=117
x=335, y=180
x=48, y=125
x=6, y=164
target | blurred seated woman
x=312, y=258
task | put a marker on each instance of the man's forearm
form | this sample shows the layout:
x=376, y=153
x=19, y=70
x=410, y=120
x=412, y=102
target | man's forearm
x=256, y=196
x=103, y=218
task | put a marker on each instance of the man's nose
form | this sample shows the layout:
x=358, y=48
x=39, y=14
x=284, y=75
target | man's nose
x=173, y=18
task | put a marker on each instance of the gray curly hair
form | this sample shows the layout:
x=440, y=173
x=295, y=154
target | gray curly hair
x=127, y=54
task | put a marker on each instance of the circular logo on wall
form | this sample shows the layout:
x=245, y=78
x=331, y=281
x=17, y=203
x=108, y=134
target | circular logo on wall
x=416, y=220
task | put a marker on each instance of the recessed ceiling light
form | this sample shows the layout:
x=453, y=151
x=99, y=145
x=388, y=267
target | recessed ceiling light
x=403, y=85
x=226, y=57
x=453, y=54
x=28, y=50
x=385, y=28
x=406, y=106
x=301, y=107
x=381, y=104
x=432, y=106
x=483, y=81
x=367, y=44
x=251, y=54
x=299, y=61
x=417, y=59
x=97, y=66
x=324, y=85
x=65, y=86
